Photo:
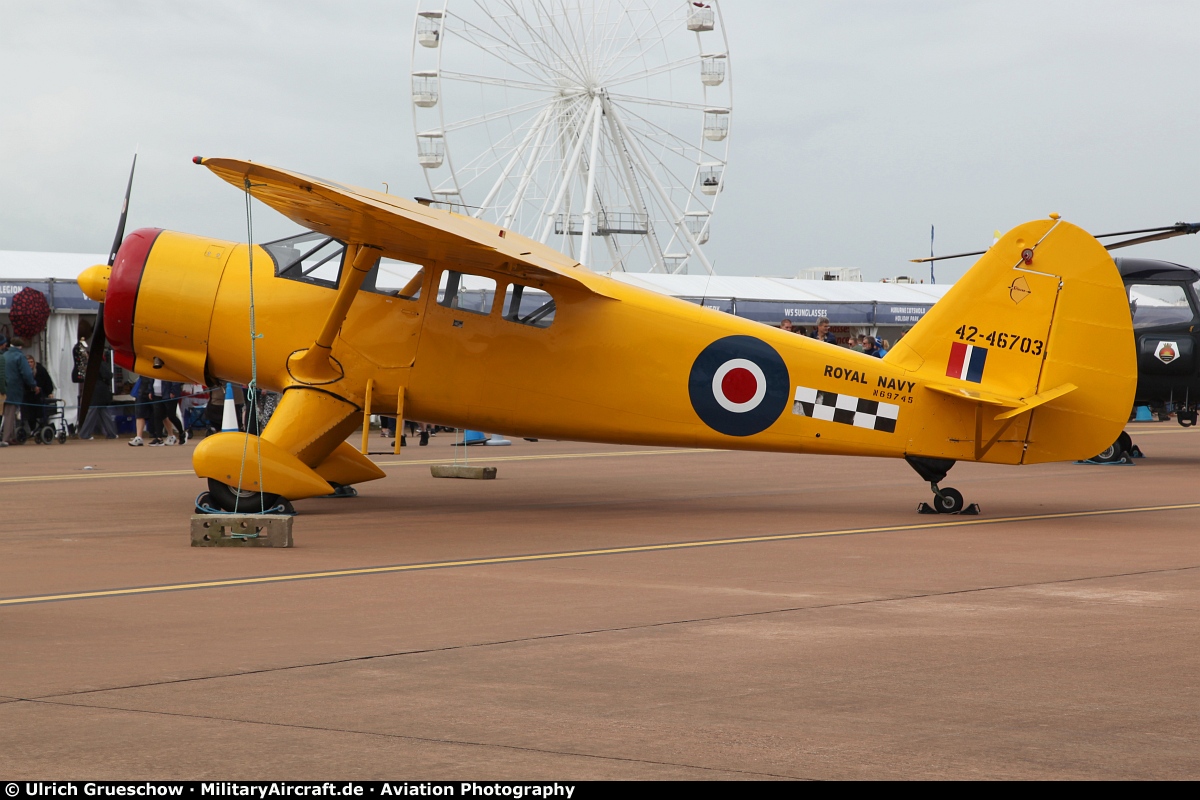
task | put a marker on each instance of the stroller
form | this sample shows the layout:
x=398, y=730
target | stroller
x=49, y=426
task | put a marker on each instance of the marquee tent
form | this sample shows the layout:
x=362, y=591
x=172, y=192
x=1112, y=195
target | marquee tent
x=52, y=274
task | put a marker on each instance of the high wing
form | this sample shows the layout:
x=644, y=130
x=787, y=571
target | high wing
x=402, y=228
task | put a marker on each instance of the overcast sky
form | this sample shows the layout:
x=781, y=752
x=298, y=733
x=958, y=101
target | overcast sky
x=855, y=125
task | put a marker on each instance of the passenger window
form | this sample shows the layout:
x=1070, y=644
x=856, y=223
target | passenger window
x=309, y=257
x=462, y=292
x=1155, y=305
x=395, y=279
x=528, y=306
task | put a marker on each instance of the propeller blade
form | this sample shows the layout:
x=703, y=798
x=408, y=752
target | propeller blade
x=95, y=359
x=96, y=348
x=116, y=245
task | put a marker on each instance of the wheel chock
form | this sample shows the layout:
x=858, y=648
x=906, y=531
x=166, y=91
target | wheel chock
x=969, y=511
x=237, y=530
x=463, y=471
x=1126, y=460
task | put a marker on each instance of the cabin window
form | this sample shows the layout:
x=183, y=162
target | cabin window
x=310, y=257
x=462, y=292
x=1154, y=305
x=528, y=306
x=395, y=279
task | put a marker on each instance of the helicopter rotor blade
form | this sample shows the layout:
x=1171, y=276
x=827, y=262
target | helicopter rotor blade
x=1155, y=235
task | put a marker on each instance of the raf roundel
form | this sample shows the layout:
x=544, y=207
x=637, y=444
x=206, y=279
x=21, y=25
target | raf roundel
x=739, y=385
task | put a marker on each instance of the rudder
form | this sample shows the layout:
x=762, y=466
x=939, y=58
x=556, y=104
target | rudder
x=1043, y=314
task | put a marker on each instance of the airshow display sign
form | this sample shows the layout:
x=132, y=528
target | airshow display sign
x=62, y=295
x=772, y=311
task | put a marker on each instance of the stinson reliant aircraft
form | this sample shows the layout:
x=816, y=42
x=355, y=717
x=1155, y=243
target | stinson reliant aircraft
x=1028, y=358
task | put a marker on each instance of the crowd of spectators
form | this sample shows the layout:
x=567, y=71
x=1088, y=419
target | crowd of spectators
x=861, y=343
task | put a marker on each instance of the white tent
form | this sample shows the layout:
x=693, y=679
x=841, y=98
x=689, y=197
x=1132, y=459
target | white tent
x=769, y=300
x=52, y=274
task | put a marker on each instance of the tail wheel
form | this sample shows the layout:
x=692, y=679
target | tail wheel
x=950, y=501
x=228, y=498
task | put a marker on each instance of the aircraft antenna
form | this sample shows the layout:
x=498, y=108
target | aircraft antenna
x=599, y=127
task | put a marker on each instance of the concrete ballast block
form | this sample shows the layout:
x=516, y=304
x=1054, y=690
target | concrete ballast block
x=463, y=471
x=241, y=530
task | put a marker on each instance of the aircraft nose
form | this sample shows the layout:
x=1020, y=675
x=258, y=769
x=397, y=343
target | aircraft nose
x=94, y=282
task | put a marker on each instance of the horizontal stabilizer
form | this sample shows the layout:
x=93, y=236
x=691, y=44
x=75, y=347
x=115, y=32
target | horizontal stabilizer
x=1016, y=405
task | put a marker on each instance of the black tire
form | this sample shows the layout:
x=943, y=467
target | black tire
x=61, y=438
x=46, y=435
x=1125, y=442
x=226, y=498
x=1109, y=454
x=950, y=501
x=22, y=434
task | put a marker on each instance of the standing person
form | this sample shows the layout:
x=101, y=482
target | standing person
x=143, y=412
x=215, y=410
x=79, y=356
x=167, y=427
x=35, y=412
x=869, y=348
x=21, y=387
x=822, y=333
x=194, y=398
x=786, y=325
x=3, y=383
x=100, y=411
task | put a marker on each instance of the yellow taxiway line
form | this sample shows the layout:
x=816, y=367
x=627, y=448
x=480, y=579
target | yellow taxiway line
x=606, y=551
x=413, y=463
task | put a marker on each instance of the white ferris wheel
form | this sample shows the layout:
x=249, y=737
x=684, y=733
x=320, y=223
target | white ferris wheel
x=600, y=127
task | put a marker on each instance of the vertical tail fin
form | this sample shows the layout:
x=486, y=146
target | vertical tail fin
x=1040, y=326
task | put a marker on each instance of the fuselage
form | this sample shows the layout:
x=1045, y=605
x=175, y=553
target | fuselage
x=631, y=367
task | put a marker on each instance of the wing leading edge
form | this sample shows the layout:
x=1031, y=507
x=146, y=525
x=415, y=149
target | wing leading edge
x=403, y=228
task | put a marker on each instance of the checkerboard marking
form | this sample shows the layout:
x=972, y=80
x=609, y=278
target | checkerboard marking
x=846, y=409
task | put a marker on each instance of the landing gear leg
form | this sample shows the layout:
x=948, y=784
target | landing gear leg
x=945, y=501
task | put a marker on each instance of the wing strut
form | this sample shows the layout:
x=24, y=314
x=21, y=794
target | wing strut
x=316, y=365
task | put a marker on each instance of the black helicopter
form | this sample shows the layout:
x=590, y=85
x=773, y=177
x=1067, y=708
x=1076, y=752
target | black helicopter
x=1165, y=307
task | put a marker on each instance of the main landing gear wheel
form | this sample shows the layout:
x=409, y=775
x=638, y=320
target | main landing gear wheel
x=1122, y=451
x=227, y=498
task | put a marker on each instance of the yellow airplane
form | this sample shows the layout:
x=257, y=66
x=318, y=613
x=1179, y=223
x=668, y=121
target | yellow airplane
x=1029, y=358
